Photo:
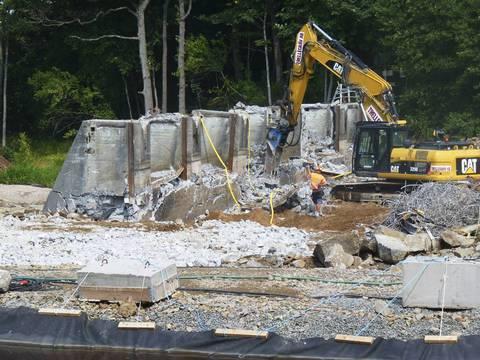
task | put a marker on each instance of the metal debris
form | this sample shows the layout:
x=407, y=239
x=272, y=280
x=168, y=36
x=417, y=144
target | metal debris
x=434, y=206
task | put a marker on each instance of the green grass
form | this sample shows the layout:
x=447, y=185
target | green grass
x=39, y=165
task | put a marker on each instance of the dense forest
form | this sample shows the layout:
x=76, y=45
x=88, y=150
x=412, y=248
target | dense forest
x=63, y=61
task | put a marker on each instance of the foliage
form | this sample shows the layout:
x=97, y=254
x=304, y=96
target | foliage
x=55, y=80
x=65, y=101
x=34, y=162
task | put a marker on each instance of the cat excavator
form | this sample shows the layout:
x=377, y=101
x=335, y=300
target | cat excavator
x=382, y=147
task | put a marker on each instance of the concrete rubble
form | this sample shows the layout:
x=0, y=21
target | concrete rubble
x=5, y=279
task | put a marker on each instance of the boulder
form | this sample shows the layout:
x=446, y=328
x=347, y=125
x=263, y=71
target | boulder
x=391, y=249
x=464, y=252
x=5, y=280
x=349, y=242
x=454, y=239
x=333, y=256
x=393, y=246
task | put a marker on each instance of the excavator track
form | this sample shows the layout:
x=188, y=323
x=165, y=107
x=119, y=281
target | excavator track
x=371, y=191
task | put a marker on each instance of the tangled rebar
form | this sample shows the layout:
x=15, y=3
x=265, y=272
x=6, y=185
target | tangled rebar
x=436, y=206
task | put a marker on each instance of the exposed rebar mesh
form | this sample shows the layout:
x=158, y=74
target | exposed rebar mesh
x=436, y=206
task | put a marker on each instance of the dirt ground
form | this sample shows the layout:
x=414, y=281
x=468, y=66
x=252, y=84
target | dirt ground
x=340, y=216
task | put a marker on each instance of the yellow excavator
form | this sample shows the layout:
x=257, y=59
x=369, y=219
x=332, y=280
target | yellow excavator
x=382, y=146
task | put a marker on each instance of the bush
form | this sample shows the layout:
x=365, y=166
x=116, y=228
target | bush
x=34, y=162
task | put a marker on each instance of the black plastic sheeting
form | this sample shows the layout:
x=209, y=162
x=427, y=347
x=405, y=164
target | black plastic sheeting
x=24, y=335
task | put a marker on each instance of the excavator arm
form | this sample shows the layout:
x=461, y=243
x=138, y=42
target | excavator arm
x=377, y=99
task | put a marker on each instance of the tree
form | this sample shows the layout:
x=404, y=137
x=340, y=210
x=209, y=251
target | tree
x=64, y=101
x=165, y=57
x=138, y=12
x=182, y=16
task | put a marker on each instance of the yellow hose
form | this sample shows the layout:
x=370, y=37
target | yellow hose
x=272, y=210
x=229, y=183
x=342, y=175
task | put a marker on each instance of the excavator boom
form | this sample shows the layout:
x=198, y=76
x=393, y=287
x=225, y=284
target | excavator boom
x=378, y=103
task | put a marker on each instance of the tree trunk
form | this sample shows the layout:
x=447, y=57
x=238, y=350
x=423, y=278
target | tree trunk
x=181, y=57
x=127, y=96
x=235, y=44
x=277, y=57
x=4, y=140
x=155, y=92
x=142, y=46
x=5, y=78
x=267, y=66
x=164, y=56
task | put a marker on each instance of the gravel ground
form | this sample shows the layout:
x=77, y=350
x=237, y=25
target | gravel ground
x=295, y=308
x=299, y=309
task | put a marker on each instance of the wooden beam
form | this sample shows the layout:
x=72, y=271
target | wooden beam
x=130, y=162
x=241, y=333
x=231, y=144
x=150, y=325
x=433, y=339
x=351, y=339
x=59, y=312
x=184, y=129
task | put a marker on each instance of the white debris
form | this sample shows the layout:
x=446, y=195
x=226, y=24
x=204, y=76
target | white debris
x=211, y=244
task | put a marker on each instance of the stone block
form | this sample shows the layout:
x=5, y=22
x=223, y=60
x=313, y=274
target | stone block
x=462, y=287
x=128, y=280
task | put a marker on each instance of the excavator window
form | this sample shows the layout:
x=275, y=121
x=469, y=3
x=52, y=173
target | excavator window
x=374, y=145
x=366, y=149
x=399, y=137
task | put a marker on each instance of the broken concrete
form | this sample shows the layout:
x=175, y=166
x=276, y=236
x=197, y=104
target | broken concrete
x=128, y=280
x=337, y=250
x=454, y=239
x=394, y=246
x=425, y=277
x=5, y=279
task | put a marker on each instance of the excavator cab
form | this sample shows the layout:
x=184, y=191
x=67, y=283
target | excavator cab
x=373, y=145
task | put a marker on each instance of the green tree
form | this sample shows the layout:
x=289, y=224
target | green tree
x=64, y=101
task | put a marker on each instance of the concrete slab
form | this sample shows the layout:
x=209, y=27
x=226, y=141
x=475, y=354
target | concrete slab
x=122, y=280
x=462, y=286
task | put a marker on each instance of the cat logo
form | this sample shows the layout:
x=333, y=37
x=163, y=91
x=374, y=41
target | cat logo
x=338, y=68
x=468, y=166
x=394, y=168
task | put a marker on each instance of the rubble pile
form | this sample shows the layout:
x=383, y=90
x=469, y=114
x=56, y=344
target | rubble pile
x=434, y=206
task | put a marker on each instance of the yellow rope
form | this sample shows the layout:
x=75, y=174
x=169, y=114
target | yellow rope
x=229, y=183
x=272, y=210
x=342, y=175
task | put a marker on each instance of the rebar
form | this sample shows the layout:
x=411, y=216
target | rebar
x=436, y=206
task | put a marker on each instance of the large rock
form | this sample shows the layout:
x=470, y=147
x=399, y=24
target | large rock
x=350, y=243
x=390, y=249
x=331, y=254
x=454, y=239
x=394, y=246
x=5, y=280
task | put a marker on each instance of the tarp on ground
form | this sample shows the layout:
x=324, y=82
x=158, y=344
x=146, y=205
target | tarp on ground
x=25, y=335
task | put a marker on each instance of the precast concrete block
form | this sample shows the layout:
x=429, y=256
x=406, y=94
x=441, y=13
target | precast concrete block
x=125, y=280
x=426, y=279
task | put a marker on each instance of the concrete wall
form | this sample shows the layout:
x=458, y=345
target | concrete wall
x=95, y=176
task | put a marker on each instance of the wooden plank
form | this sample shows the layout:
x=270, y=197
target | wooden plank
x=351, y=339
x=150, y=325
x=433, y=339
x=59, y=312
x=241, y=333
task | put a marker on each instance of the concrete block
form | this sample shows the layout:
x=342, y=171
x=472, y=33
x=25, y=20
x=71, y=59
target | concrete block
x=124, y=280
x=462, y=286
x=5, y=280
